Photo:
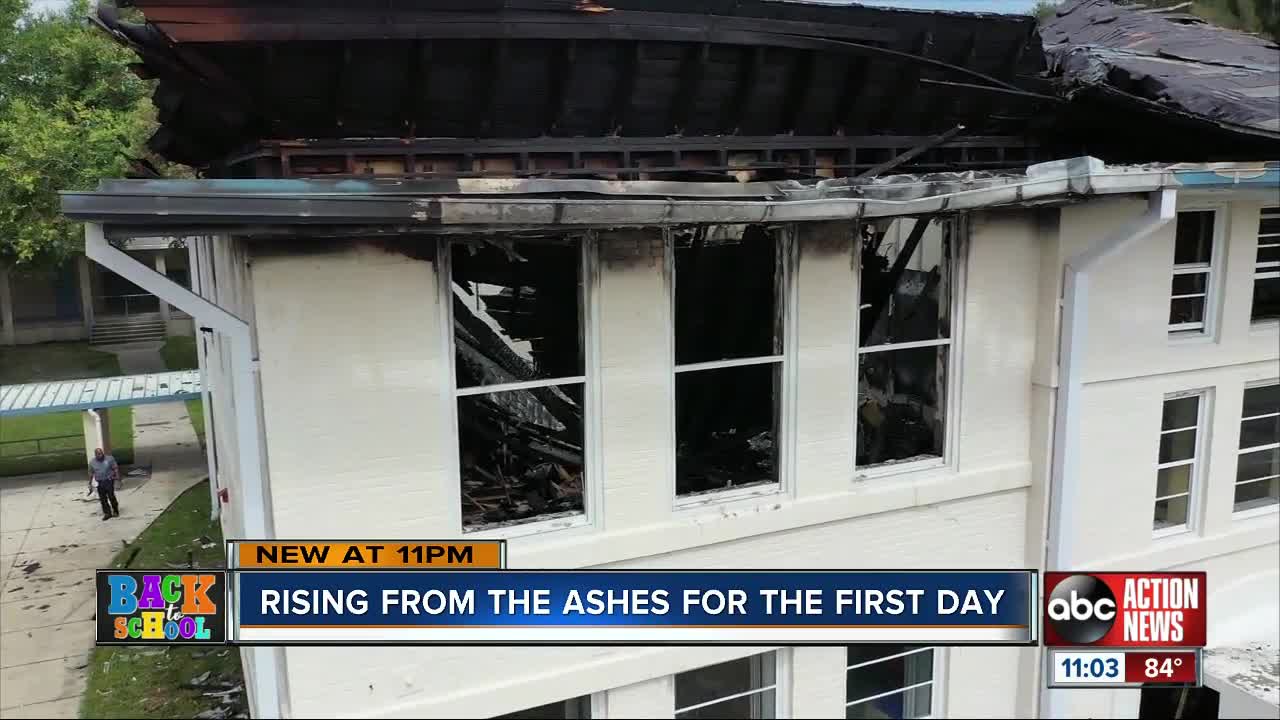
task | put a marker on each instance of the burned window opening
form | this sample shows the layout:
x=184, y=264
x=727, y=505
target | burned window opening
x=728, y=348
x=906, y=290
x=519, y=361
x=1192, y=283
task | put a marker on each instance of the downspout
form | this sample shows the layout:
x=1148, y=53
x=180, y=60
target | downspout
x=195, y=263
x=1064, y=481
x=266, y=700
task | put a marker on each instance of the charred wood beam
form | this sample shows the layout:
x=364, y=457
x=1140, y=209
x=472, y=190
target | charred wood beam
x=798, y=90
x=901, y=103
x=692, y=70
x=625, y=86
x=561, y=80
x=910, y=154
x=982, y=101
x=983, y=90
x=880, y=303
x=744, y=90
x=940, y=99
x=341, y=74
x=855, y=78
x=501, y=57
x=417, y=82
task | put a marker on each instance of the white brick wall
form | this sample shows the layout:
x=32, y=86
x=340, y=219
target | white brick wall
x=357, y=405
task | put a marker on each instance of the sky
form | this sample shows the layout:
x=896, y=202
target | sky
x=1000, y=6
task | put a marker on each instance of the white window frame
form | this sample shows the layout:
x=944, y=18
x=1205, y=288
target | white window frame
x=1266, y=509
x=786, y=249
x=1198, y=462
x=779, y=685
x=952, y=391
x=935, y=682
x=592, y=485
x=1264, y=270
x=1212, y=271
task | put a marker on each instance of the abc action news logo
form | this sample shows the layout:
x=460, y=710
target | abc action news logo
x=1125, y=609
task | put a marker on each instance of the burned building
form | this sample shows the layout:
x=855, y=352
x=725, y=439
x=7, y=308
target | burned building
x=709, y=284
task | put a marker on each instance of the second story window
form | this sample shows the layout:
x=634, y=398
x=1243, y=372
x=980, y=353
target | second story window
x=519, y=365
x=1258, y=465
x=1266, y=270
x=1179, y=461
x=889, y=681
x=728, y=357
x=745, y=688
x=905, y=328
x=1192, y=287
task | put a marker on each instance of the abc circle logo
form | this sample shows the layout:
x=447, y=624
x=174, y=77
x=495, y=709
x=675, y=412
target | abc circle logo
x=1082, y=609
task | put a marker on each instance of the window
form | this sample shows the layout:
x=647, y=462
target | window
x=745, y=688
x=1258, y=466
x=1178, y=463
x=905, y=329
x=729, y=289
x=578, y=708
x=1266, y=271
x=1192, y=271
x=889, y=681
x=519, y=364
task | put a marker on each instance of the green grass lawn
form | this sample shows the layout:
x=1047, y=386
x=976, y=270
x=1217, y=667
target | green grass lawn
x=20, y=453
x=140, y=682
x=179, y=353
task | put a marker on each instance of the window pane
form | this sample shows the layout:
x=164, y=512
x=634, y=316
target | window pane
x=1262, y=431
x=1268, y=253
x=521, y=454
x=858, y=654
x=1181, y=413
x=1187, y=283
x=729, y=678
x=756, y=705
x=1257, y=494
x=727, y=279
x=1177, y=446
x=1173, y=480
x=1171, y=513
x=1266, y=299
x=1194, y=237
x=578, y=708
x=1268, y=225
x=887, y=676
x=901, y=396
x=1258, y=464
x=516, y=311
x=1261, y=400
x=913, y=703
x=1186, y=310
x=726, y=427
x=906, y=282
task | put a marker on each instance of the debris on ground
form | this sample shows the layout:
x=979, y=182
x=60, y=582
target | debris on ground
x=30, y=567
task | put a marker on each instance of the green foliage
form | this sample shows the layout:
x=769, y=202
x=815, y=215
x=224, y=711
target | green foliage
x=1254, y=16
x=71, y=113
x=1044, y=9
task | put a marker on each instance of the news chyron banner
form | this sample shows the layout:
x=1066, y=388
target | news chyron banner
x=463, y=593
x=1132, y=629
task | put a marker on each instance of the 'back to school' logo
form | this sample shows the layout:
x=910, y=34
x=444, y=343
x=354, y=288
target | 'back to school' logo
x=161, y=607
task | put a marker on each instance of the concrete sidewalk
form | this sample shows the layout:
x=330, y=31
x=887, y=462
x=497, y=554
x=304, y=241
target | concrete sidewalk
x=52, y=537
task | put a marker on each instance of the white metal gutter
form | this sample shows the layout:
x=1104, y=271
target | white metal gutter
x=1064, y=481
x=256, y=522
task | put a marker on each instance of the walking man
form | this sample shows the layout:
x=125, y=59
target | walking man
x=104, y=472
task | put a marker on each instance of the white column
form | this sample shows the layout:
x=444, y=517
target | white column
x=86, y=293
x=817, y=682
x=8, y=336
x=164, y=306
x=649, y=699
x=92, y=424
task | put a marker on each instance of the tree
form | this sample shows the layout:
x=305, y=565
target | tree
x=71, y=114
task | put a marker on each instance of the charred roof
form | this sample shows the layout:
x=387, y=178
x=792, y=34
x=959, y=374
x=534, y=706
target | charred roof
x=236, y=72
